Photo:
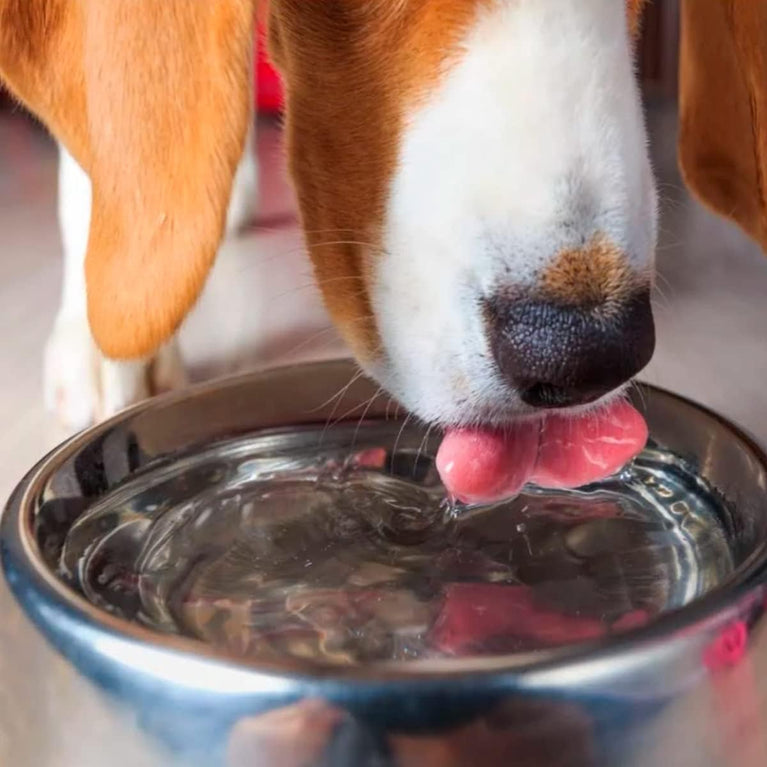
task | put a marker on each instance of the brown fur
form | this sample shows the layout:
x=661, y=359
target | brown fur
x=594, y=275
x=352, y=69
x=723, y=108
x=634, y=9
x=152, y=99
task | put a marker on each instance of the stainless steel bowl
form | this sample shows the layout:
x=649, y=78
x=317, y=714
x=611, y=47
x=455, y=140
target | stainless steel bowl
x=685, y=689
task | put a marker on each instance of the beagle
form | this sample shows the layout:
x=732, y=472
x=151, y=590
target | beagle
x=472, y=176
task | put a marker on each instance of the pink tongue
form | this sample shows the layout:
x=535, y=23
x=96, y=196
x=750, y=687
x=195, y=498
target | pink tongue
x=481, y=465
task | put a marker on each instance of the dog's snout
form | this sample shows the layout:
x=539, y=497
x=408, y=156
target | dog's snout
x=557, y=355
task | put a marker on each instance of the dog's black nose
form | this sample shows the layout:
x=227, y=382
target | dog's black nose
x=557, y=355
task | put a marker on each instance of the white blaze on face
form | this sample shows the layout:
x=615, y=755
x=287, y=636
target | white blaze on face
x=533, y=141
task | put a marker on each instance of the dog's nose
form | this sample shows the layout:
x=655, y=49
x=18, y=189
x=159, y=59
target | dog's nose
x=557, y=355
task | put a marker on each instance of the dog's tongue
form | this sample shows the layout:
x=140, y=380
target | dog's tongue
x=482, y=465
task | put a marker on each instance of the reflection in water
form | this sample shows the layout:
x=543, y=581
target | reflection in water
x=268, y=548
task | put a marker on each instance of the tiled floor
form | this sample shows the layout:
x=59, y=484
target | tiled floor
x=260, y=306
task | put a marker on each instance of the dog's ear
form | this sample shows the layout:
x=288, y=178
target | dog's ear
x=723, y=109
x=152, y=99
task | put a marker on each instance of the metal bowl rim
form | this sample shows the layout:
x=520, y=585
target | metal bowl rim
x=21, y=559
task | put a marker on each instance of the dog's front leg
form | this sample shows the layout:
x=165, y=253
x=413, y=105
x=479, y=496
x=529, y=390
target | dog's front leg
x=80, y=384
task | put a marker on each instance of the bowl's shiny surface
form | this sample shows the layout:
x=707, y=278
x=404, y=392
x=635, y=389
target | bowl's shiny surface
x=603, y=703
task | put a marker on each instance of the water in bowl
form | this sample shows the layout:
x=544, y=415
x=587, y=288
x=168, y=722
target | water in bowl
x=293, y=544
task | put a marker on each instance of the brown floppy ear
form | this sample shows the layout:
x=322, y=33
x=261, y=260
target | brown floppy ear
x=723, y=108
x=152, y=98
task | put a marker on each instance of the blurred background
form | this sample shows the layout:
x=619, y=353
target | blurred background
x=260, y=305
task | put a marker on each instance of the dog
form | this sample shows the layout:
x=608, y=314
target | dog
x=473, y=182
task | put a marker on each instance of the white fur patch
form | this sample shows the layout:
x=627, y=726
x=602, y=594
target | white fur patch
x=533, y=142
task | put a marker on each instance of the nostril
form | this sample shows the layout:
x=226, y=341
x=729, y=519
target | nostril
x=558, y=355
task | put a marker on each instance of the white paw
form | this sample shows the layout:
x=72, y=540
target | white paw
x=82, y=387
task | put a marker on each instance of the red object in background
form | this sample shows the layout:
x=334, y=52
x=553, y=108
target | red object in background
x=268, y=83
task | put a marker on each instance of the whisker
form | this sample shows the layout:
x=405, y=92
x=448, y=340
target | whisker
x=319, y=336
x=260, y=229
x=637, y=387
x=397, y=441
x=661, y=299
x=328, y=243
x=302, y=250
x=349, y=412
x=364, y=414
x=339, y=393
x=318, y=284
x=329, y=422
x=659, y=275
x=421, y=447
